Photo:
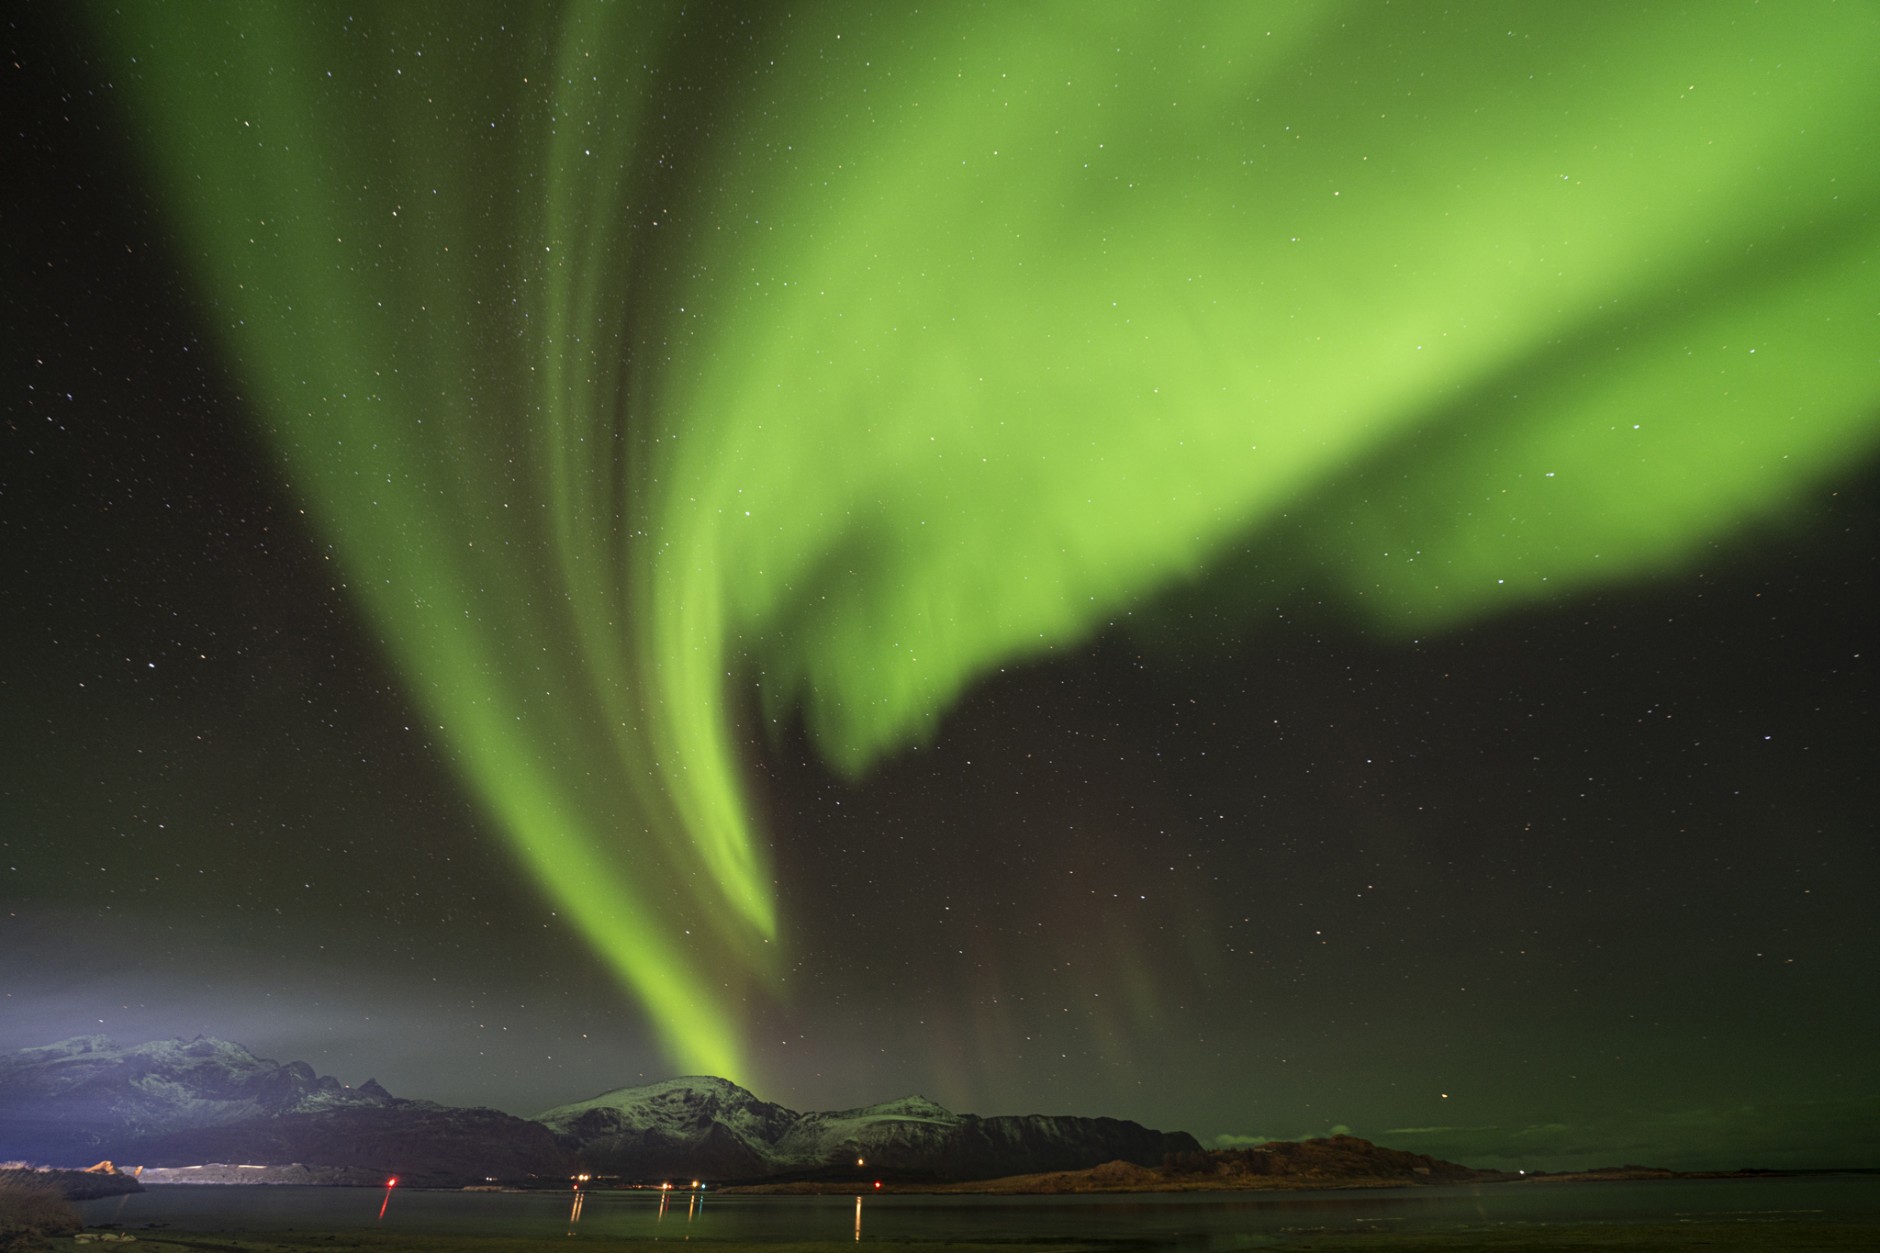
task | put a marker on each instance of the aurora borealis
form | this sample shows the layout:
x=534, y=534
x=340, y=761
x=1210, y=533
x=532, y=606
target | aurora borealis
x=740, y=441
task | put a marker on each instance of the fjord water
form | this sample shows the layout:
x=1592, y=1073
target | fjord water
x=1201, y=1222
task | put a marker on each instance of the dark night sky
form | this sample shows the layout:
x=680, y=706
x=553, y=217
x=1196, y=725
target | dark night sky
x=1561, y=887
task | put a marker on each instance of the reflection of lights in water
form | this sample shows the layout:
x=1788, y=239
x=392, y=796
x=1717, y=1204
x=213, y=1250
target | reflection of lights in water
x=694, y=1200
x=574, y=1211
x=858, y=1220
x=389, y=1185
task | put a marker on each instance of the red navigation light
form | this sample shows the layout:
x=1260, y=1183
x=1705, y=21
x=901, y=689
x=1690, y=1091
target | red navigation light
x=877, y=1183
x=392, y=1182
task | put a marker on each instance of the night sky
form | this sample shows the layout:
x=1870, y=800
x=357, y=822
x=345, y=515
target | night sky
x=549, y=550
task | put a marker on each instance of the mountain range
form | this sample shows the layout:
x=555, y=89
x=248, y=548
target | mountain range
x=184, y=1102
x=728, y=1133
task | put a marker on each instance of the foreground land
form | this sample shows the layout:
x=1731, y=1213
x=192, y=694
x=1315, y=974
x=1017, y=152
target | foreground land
x=1667, y=1238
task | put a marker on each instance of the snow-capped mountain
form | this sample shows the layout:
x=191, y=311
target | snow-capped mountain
x=712, y=1128
x=696, y=1125
x=185, y=1102
x=164, y=1086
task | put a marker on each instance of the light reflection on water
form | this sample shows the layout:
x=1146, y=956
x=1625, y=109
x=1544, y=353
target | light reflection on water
x=1193, y=1222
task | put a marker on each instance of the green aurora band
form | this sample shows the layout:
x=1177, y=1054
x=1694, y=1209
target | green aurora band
x=635, y=359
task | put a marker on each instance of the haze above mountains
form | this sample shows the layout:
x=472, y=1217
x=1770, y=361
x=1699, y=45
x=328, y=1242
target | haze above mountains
x=184, y=1102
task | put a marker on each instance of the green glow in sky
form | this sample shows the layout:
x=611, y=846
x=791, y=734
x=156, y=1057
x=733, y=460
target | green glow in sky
x=631, y=362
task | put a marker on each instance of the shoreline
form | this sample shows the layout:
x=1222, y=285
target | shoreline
x=922, y=1222
x=1104, y=1180
x=1113, y=1178
x=1660, y=1237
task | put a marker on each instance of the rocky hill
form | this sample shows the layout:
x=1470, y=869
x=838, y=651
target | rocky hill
x=1334, y=1162
x=711, y=1128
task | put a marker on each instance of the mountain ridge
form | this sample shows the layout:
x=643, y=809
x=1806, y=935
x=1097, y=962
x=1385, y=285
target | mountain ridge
x=729, y=1132
x=186, y=1102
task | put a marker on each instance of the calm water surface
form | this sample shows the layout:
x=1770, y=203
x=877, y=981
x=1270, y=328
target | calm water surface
x=1195, y=1222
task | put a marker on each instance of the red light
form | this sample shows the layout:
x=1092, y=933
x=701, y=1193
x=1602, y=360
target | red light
x=392, y=1182
x=877, y=1183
